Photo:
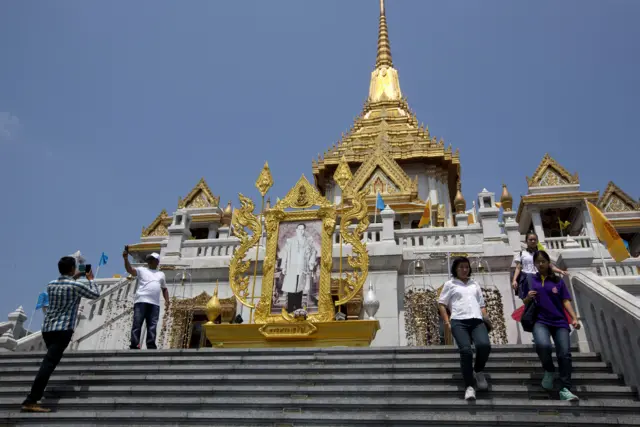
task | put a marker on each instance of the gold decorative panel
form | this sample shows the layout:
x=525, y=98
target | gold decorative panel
x=551, y=173
x=199, y=197
x=158, y=227
x=615, y=200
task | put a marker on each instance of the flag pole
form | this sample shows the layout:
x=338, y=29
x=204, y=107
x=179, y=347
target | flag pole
x=604, y=264
x=375, y=210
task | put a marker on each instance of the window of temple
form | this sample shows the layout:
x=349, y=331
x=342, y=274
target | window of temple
x=178, y=219
x=397, y=225
x=414, y=223
x=487, y=202
x=199, y=233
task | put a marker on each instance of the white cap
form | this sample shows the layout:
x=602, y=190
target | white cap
x=154, y=255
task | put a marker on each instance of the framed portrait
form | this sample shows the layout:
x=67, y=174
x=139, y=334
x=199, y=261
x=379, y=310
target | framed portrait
x=298, y=259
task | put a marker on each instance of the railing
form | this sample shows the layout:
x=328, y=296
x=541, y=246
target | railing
x=371, y=235
x=32, y=342
x=209, y=247
x=558, y=243
x=611, y=318
x=630, y=267
x=438, y=237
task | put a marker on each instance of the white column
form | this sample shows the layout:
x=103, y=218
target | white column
x=388, y=216
x=537, y=224
x=432, y=183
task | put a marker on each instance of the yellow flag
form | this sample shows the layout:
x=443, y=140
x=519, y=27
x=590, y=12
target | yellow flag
x=498, y=205
x=607, y=233
x=471, y=220
x=563, y=224
x=540, y=247
x=426, y=215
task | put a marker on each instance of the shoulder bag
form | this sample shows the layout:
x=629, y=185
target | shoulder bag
x=530, y=314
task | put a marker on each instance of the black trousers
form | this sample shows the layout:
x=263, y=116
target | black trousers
x=56, y=342
x=148, y=313
x=469, y=331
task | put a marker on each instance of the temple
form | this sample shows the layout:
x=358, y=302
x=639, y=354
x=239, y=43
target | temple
x=389, y=152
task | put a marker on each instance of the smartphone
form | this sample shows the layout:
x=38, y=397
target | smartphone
x=82, y=268
x=87, y=268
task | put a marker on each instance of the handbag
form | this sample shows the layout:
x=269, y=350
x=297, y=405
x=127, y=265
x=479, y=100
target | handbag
x=530, y=313
x=487, y=323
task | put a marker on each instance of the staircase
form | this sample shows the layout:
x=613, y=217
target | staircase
x=317, y=387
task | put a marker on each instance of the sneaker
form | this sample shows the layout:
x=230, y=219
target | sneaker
x=547, y=380
x=565, y=394
x=470, y=394
x=481, y=381
x=34, y=407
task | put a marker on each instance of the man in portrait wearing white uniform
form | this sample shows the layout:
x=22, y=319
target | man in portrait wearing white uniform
x=298, y=263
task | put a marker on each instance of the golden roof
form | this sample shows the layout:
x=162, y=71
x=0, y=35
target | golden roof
x=549, y=173
x=615, y=200
x=386, y=116
x=158, y=227
x=199, y=197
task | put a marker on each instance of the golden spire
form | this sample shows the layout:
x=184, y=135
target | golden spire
x=459, y=203
x=506, y=199
x=384, y=47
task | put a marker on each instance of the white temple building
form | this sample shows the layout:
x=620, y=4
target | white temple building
x=391, y=153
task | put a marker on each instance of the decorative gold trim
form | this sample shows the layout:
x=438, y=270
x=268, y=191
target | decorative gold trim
x=145, y=247
x=288, y=331
x=620, y=223
x=303, y=195
x=577, y=196
x=506, y=199
x=191, y=201
x=611, y=190
x=549, y=163
x=359, y=261
x=265, y=180
x=197, y=219
x=243, y=219
x=380, y=158
x=158, y=227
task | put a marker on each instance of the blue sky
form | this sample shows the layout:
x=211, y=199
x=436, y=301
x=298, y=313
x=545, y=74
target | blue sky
x=110, y=111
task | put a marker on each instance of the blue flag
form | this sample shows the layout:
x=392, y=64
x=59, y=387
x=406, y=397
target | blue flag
x=626, y=244
x=43, y=300
x=103, y=259
x=379, y=202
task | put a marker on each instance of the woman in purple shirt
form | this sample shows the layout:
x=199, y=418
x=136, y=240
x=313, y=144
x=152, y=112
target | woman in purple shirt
x=553, y=298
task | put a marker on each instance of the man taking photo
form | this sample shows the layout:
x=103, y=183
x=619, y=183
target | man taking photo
x=146, y=307
x=59, y=323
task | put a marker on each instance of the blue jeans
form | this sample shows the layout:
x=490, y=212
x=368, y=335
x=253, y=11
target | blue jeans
x=464, y=332
x=149, y=313
x=542, y=337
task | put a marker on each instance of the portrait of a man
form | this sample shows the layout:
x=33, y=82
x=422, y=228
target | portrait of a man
x=297, y=272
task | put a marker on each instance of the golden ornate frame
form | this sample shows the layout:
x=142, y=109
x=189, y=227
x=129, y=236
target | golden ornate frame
x=302, y=196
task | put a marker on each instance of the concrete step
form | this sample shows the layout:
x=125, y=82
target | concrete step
x=257, y=418
x=484, y=404
x=320, y=367
x=212, y=358
x=531, y=391
x=306, y=378
x=443, y=349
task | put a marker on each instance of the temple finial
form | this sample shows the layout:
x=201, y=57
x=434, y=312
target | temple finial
x=383, y=57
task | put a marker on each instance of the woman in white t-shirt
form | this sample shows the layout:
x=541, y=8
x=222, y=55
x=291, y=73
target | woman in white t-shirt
x=525, y=266
x=463, y=297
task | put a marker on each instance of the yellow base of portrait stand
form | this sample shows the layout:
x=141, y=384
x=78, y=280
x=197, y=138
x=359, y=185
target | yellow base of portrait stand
x=352, y=333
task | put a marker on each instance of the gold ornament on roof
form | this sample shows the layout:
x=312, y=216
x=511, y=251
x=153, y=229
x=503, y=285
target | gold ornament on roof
x=615, y=200
x=551, y=173
x=265, y=180
x=459, y=202
x=199, y=197
x=158, y=228
x=506, y=199
x=342, y=175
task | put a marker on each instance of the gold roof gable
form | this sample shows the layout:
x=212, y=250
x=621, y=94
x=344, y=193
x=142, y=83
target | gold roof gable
x=385, y=114
x=550, y=173
x=200, y=197
x=303, y=195
x=381, y=165
x=158, y=227
x=615, y=200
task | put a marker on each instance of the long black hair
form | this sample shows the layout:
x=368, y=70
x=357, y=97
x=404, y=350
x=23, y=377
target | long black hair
x=456, y=263
x=550, y=274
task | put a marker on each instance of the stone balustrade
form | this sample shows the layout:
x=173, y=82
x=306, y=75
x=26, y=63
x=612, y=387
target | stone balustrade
x=629, y=267
x=32, y=342
x=611, y=320
x=371, y=235
x=558, y=243
x=209, y=247
x=439, y=238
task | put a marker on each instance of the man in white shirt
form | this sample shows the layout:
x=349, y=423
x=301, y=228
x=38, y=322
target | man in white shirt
x=298, y=263
x=146, y=307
